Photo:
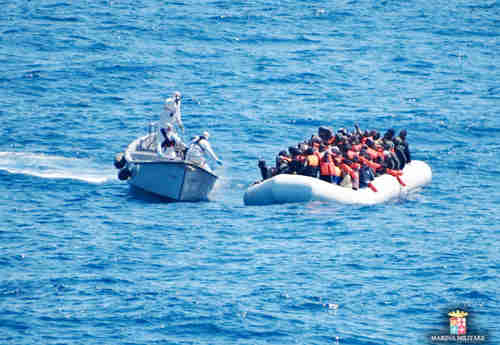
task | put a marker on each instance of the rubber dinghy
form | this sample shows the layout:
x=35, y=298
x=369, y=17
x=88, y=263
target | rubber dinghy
x=285, y=188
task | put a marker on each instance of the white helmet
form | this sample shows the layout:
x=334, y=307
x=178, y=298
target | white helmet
x=177, y=94
x=206, y=134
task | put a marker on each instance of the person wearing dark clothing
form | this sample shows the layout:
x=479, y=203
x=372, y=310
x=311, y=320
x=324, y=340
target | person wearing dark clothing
x=402, y=136
x=390, y=160
x=399, y=150
x=282, y=161
x=296, y=165
x=366, y=175
x=264, y=172
x=311, y=166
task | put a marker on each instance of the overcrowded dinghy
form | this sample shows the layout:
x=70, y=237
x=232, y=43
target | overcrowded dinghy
x=286, y=188
x=358, y=167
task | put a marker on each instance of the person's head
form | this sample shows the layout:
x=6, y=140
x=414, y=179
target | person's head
x=303, y=147
x=283, y=153
x=402, y=134
x=309, y=151
x=315, y=139
x=389, y=134
x=293, y=151
x=177, y=95
x=206, y=135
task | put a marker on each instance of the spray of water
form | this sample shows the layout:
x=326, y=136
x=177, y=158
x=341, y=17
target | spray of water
x=55, y=167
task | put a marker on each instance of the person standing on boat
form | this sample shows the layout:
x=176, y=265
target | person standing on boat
x=172, y=112
x=199, y=148
x=169, y=142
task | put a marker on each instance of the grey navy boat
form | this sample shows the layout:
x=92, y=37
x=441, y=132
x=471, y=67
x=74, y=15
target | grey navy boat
x=176, y=179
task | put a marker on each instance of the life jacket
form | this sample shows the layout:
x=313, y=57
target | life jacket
x=397, y=175
x=351, y=154
x=338, y=159
x=372, y=153
x=348, y=170
x=312, y=160
x=357, y=147
x=328, y=168
x=365, y=139
x=371, y=164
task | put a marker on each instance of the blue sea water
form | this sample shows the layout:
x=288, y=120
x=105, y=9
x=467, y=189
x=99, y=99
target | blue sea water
x=85, y=260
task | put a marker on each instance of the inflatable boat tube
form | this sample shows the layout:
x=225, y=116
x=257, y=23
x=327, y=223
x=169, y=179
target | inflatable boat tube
x=287, y=188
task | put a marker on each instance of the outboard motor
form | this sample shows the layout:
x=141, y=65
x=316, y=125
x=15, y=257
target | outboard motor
x=124, y=174
x=120, y=160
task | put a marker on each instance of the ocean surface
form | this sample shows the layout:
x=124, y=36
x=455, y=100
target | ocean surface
x=86, y=260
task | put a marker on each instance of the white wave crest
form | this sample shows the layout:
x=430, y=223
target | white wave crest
x=55, y=167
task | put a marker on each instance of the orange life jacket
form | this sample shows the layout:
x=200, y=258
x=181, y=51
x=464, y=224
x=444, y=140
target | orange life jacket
x=373, y=165
x=365, y=139
x=348, y=170
x=338, y=159
x=312, y=160
x=327, y=168
x=351, y=154
x=372, y=153
x=357, y=147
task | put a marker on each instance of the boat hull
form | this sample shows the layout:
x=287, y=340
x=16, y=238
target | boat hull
x=287, y=188
x=176, y=180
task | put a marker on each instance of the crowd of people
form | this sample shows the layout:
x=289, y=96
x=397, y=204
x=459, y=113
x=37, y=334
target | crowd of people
x=349, y=159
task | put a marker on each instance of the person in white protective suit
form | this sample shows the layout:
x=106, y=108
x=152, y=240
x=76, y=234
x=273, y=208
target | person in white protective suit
x=198, y=148
x=172, y=112
x=169, y=143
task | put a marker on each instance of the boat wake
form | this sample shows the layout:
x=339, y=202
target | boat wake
x=55, y=167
